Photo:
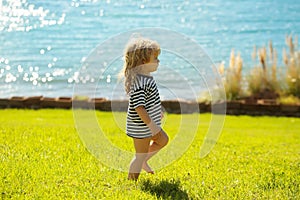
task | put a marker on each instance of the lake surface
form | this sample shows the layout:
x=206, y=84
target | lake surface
x=43, y=44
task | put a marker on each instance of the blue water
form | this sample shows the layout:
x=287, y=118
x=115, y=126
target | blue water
x=44, y=43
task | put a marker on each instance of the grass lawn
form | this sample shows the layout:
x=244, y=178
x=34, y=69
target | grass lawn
x=42, y=156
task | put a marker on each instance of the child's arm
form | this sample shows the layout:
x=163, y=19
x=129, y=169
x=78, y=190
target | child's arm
x=141, y=111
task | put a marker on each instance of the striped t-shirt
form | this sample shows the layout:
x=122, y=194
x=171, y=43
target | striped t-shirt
x=143, y=92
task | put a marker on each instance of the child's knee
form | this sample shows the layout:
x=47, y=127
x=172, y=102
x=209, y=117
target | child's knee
x=165, y=138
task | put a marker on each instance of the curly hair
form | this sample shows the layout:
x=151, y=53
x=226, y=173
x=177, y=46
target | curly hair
x=136, y=53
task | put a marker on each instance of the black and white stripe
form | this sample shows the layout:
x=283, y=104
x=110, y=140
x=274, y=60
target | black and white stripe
x=143, y=92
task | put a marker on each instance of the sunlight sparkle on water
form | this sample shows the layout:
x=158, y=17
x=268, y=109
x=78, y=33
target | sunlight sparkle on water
x=19, y=15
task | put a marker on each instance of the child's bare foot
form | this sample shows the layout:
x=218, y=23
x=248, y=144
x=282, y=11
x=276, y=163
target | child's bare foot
x=133, y=176
x=147, y=168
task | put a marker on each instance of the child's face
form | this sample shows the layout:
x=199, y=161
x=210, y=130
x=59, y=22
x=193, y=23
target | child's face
x=152, y=65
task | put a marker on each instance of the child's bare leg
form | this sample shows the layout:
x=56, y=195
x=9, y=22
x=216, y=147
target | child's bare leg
x=159, y=141
x=141, y=148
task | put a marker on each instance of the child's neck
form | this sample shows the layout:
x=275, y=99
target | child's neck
x=145, y=73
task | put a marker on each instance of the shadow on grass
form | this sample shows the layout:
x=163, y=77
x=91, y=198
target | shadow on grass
x=165, y=189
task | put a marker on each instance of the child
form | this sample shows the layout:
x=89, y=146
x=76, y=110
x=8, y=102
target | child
x=144, y=110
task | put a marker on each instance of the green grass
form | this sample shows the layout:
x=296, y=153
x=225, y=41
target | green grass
x=42, y=157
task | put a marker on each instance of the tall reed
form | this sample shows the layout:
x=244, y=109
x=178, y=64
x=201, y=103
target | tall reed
x=233, y=76
x=263, y=77
x=292, y=63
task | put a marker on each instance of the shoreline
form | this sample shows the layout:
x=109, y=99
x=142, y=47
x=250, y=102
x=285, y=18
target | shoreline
x=260, y=108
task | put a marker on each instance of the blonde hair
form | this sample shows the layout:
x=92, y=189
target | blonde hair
x=136, y=53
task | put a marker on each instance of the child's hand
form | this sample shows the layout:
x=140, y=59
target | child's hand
x=153, y=128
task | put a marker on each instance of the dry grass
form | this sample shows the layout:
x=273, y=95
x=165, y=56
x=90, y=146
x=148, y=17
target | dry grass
x=233, y=76
x=263, y=77
x=266, y=75
x=292, y=63
x=289, y=100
